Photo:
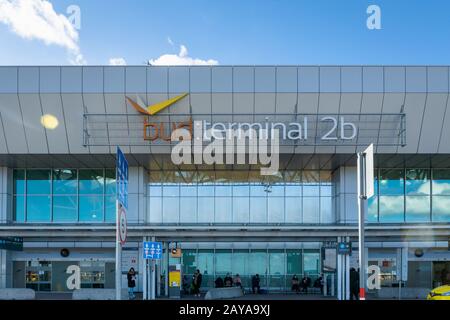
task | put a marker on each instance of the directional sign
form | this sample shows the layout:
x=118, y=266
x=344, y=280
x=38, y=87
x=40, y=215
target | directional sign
x=152, y=250
x=344, y=248
x=122, y=178
x=11, y=243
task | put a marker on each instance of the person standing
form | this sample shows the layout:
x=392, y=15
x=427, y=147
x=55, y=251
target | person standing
x=197, y=283
x=255, y=283
x=131, y=279
x=354, y=284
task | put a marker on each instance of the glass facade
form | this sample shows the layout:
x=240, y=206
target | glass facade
x=410, y=195
x=275, y=267
x=64, y=195
x=222, y=197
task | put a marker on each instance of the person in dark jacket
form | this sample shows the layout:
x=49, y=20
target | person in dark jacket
x=228, y=281
x=219, y=282
x=255, y=283
x=131, y=277
x=197, y=282
x=295, y=284
x=354, y=284
x=306, y=283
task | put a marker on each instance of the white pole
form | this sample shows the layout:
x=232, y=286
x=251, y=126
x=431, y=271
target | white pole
x=144, y=273
x=153, y=277
x=118, y=257
x=361, y=183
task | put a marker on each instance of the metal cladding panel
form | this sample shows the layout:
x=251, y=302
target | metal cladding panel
x=95, y=103
x=243, y=103
x=8, y=79
x=328, y=103
x=35, y=132
x=13, y=123
x=307, y=103
x=3, y=144
x=73, y=112
x=286, y=103
x=116, y=104
x=392, y=103
x=414, y=108
x=350, y=103
x=199, y=102
x=265, y=103
x=432, y=122
x=57, y=138
x=28, y=79
x=444, y=141
x=222, y=103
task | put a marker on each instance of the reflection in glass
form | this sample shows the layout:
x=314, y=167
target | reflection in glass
x=19, y=208
x=326, y=210
x=38, y=208
x=441, y=182
x=223, y=212
x=91, y=181
x=155, y=209
x=391, y=208
x=206, y=209
x=258, y=210
x=311, y=212
x=293, y=210
x=417, y=208
x=65, y=182
x=223, y=262
x=110, y=208
x=241, y=210
x=91, y=208
x=170, y=210
x=65, y=208
x=391, y=181
x=417, y=182
x=441, y=211
x=372, y=206
x=38, y=181
x=19, y=181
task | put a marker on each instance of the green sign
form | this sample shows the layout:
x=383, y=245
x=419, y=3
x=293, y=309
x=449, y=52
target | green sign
x=11, y=243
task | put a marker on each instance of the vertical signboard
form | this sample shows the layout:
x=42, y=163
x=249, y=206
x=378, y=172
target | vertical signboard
x=121, y=214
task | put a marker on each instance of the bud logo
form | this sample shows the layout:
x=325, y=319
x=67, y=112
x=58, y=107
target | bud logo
x=154, y=108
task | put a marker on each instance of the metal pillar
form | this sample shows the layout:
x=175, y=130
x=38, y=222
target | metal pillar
x=118, y=257
x=166, y=269
x=152, y=277
x=144, y=274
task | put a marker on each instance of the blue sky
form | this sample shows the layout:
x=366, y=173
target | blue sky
x=238, y=32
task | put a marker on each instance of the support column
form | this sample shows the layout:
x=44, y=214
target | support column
x=166, y=269
x=152, y=277
x=144, y=274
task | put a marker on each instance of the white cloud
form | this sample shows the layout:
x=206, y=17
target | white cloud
x=117, y=62
x=181, y=59
x=37, y=20
x=170, y=41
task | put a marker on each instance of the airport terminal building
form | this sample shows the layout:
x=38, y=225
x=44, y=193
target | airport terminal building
x=60, y=126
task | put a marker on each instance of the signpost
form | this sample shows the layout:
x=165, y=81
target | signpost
x=152, y=250
x=121, y=214
x=365, y=191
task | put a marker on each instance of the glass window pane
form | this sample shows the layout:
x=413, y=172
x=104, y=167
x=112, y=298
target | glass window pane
x=91, y=181
x=65, y=181
x=417, y=208
x=223, y=191
x=38, y=208
x=257, y=190
x=19, y=181
x=417, y=181
x=326, y=212
x=391, y=181
x=241, y=190
x=171, y=191
x=391, y=208
x=311, y=262
x=155, y=209
x=258, y=262
x=205, y=262
x=188, y=191
x=188, y=209
x=19, y=208
x=293, y=190
x=276, y=191
x=38, y=181
x=276, y=262
x=223, y=262
x=91, y=208
x=223, y=209
x=65, y=208
x=155, y=190
x=294, y=262
x=110, y=181
x=205, y=209
x=241, y=209
x=275, y=210
x=171, y=210
x=258, y=210
x=311, y=190
x=311, y=210
x=441, y=205
x=441, y=181
x=293, y=209
x=205, y=190
x=189, y=265
x=372, y=205
x=110, y=208
x=240, y=262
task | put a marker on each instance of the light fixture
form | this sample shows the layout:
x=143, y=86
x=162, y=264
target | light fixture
x=49, y=121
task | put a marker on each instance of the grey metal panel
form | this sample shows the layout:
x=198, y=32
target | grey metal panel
x=28, y=79
x=57, y=138
x=414, y=108
x=265, y=103
x=243, y=103
x=392, y=103
x=153, y=98
x=307, y=103
x=222, y=103
x=416, y=79
x=308, y=79
x=93, y=79
x=49, y=79
x=135, y=79
x=200, y=103
x=243, y=79
x=222, y=79
x=350, y=103
x=200, y=79
x=95, y=103
x=330, y=79
x=438, y=79
x=373, y=78
x=71, y=79
x=285, y=102
x=35, y=132
x=444, y=141
x=394, y=79
x=157, y=80
x=286, y=79
x=3, y=144
x=8, y=79
x=329, y=103
x=432, y=122
x=351, y=79
x=115, y=103
x=114, y=79
x=265, y=79
x=178, y=79
x=73, y=112
x=13, y=123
